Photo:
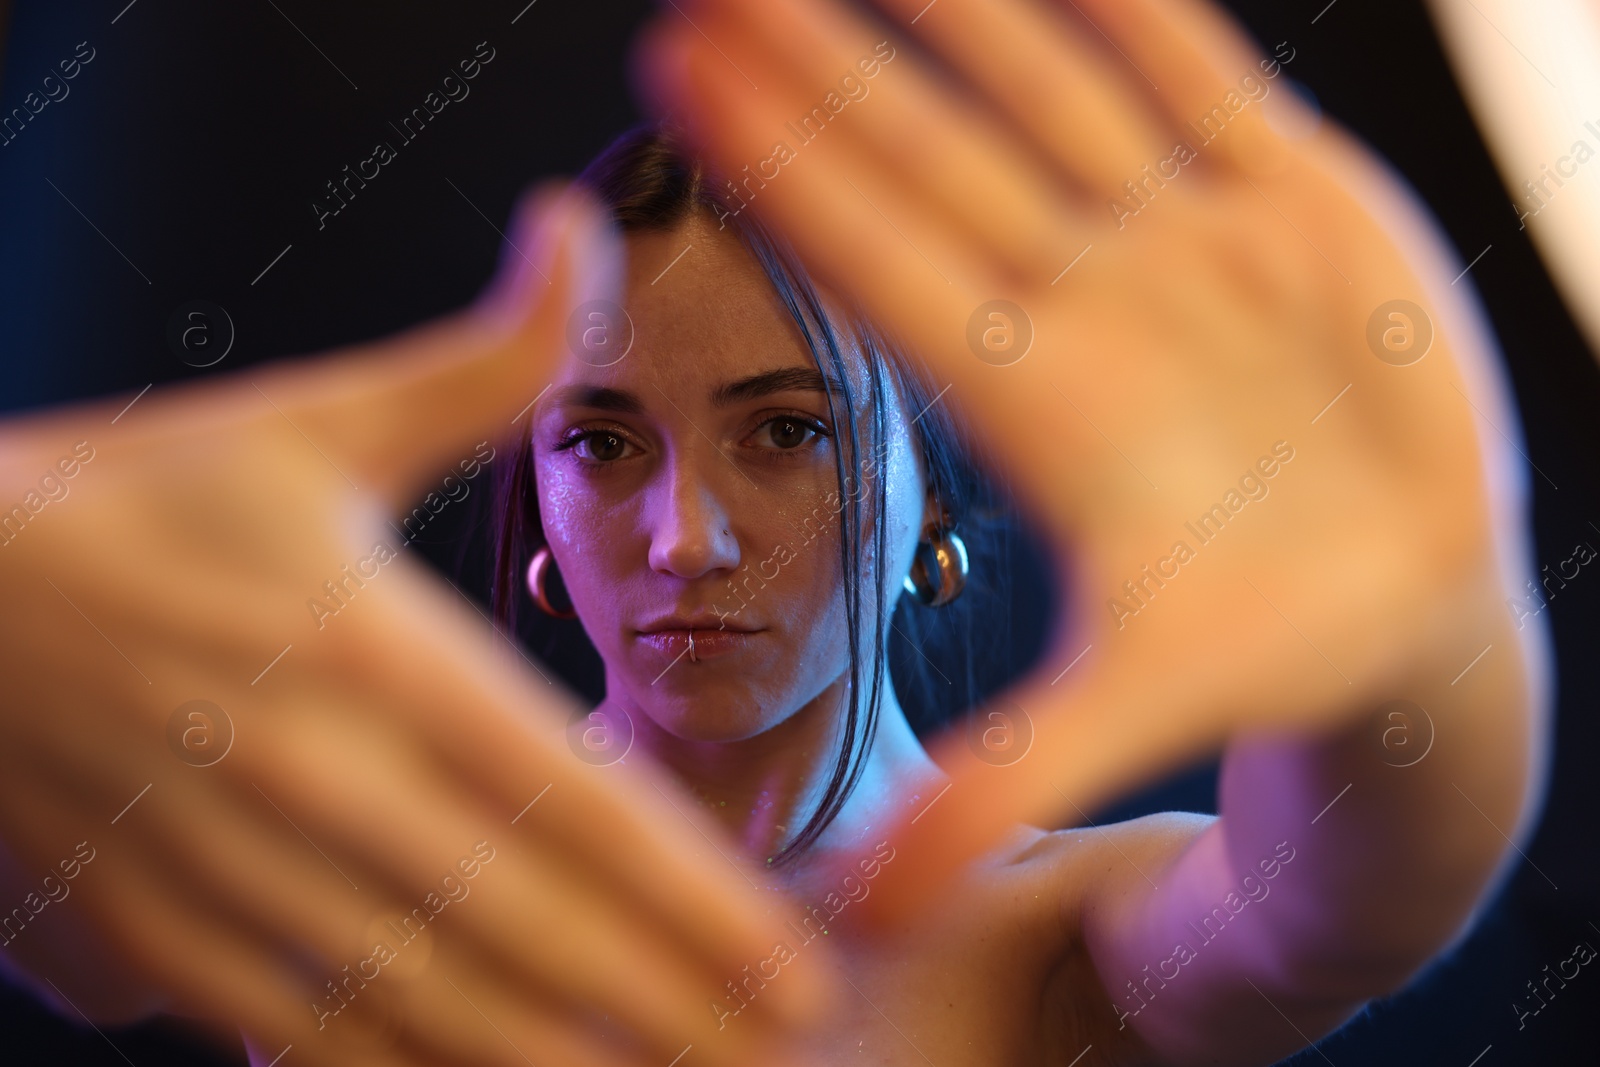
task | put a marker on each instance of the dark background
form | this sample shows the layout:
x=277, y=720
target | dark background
x=198, y=136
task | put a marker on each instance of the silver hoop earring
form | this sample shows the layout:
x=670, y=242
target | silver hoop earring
x=950, y=561
x=538, y=568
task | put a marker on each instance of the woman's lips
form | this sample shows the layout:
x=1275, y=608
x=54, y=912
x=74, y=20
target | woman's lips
x=707, y=643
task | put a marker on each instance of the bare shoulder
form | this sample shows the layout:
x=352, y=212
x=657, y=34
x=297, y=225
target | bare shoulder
x=1079, y=869
x=1083, y=863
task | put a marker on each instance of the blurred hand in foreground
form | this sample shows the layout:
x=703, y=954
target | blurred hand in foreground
x=1211, y=341
x=357, y=772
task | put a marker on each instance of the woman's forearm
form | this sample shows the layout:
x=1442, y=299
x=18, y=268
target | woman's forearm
x=1400, y=820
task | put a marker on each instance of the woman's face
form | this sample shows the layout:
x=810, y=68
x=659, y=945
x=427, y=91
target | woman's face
x=695, y=478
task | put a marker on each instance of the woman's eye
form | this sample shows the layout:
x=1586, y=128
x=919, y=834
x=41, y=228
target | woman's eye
x=788, y=433
x=597, y=446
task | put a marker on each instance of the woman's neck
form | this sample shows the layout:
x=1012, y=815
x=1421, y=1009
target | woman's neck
x=764, y=789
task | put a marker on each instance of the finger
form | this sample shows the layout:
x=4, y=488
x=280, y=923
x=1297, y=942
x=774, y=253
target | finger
x=212, y=968
x=1230, y=645
x=469, y=1020
x=325, y=932
x=908, y=270
x=1200, y=59
x=485, y=1020
x=813, y=59
x=390, y=414
x=847, y=219
x=1094, y=734
x=202, y=839
x=255, y=868
x=1047, y=77
x=542, y=919
x=433, y=659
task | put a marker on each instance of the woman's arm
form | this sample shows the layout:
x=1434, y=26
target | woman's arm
x=1339, y=866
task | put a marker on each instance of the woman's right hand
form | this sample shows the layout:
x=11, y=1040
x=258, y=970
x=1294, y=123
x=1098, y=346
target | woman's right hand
x=243, y=859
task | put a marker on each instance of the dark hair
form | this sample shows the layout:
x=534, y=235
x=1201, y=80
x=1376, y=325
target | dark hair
x=649, y=181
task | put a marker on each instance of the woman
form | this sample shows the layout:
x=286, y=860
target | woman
x=1382, y=576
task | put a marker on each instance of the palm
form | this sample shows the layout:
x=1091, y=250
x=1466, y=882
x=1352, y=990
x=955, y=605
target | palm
x=373, y=748
x=1169, y=354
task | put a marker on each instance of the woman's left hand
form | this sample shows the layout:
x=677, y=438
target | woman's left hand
x=1252, y=410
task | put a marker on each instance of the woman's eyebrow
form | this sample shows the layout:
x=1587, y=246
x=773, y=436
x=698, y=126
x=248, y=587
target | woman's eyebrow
x=785, y=379
x=751, y=387
x=597, y=396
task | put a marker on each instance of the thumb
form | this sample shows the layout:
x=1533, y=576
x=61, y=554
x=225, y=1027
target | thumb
x=393, y=413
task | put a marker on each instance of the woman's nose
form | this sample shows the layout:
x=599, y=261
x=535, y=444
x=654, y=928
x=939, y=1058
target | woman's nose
x=690, y=526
